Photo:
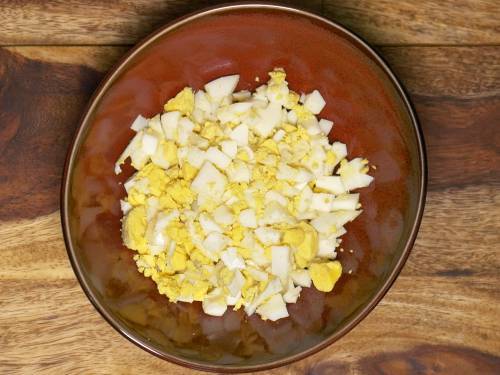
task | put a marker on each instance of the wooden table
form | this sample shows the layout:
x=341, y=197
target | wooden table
x=442, y=314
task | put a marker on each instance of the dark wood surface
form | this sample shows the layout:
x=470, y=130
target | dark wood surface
x=440, y=317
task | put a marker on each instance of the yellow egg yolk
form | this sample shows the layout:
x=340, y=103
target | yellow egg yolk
x=325, y=275
x=182, y=102
x=304, y=239
x=302, y=113
x=135, y=225
x=277, y=76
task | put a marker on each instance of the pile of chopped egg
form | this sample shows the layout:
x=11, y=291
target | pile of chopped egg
x=239, y=199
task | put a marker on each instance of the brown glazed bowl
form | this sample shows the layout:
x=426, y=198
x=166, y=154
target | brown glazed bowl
x=371, y=114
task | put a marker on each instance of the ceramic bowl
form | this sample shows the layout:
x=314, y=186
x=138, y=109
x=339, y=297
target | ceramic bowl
x=372, y=115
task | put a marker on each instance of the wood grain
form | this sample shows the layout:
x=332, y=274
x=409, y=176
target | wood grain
x=93, y=22
x=100, y=58
x=452, y=72
x=463, y=142
x=456, y=92
x=382, y=22
x=440, y=317
x=419, y=22
x=451, y=361
x=39, y=118
x=444, y=246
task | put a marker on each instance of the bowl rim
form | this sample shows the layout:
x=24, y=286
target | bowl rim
x=109, y=79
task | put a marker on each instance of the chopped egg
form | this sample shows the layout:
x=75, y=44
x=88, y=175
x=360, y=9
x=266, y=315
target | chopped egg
x=273, y=309
x=268, y=235
x=325, y=126
x=248, y=218
x=222, y=87
x=301, y=278
x=183, y=102
x=139, y=123
x=239, y=199
x=325, y=275
x=280, y=263
x=314, y=102
x=240, y=135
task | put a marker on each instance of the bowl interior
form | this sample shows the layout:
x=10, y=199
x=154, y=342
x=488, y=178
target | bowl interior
x=369, y=116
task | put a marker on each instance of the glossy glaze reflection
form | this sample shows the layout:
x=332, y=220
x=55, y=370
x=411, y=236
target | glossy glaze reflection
x=369, y=116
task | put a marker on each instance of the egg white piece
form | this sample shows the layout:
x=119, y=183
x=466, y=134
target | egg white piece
x=280, y=263
x=301, y=278
x=233, y=261
x=339, y=149
x=139, y=123
x=169, y=123
x=214, y=303
x=248, y=218
x=292, y=293
x=268, y=236
x=314, y=102
x=209, y=179
x=223, y=215
x=332, y=184
x=240, y=135
x=230, y=148
x=352, y=174
x=238, y=172
x=347, y=202
x=208, y=225
x=274, y=309
x=222, y=87
x=272, y=288
x=195, y=156
x=325, y=126
x=217, y=157
x=269, y=118
x=215, y=242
